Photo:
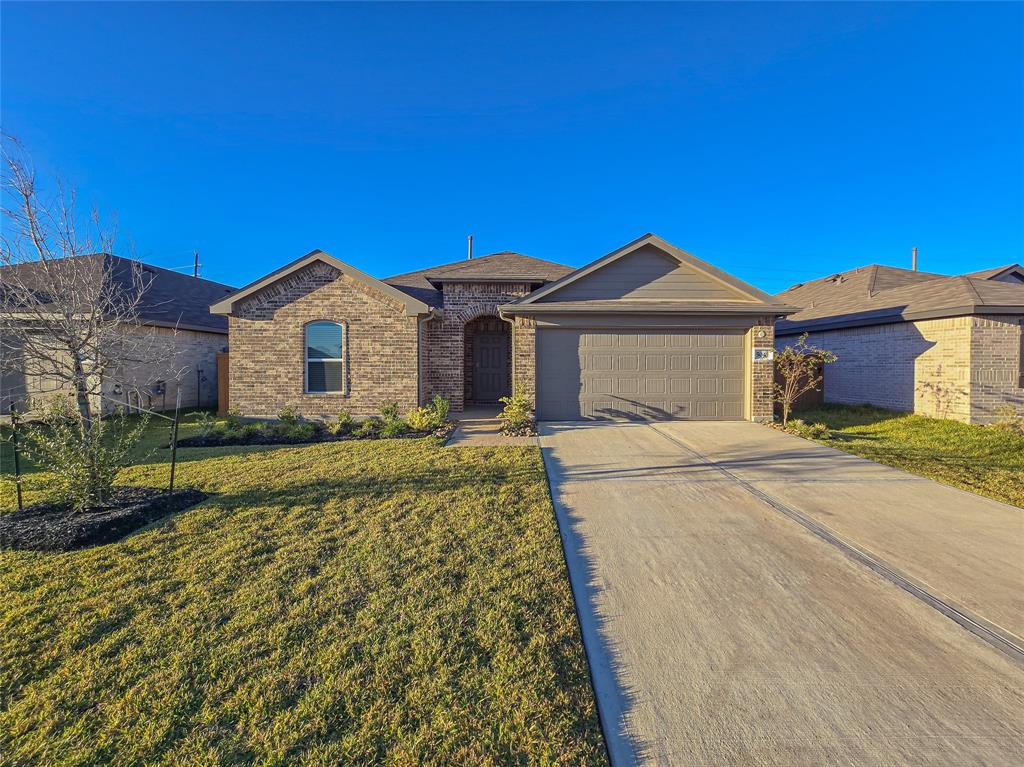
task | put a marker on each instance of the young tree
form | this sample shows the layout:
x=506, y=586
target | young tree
x=69, y=311
x=802, y=368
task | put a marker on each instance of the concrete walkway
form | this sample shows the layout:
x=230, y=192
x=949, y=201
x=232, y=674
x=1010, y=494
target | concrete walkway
x=480, y=427
x=720, y=631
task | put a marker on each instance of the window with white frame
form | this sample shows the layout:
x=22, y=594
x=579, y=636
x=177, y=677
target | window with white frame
x=325, y=357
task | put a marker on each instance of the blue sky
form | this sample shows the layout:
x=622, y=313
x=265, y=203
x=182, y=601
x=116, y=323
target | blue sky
x=780, y=142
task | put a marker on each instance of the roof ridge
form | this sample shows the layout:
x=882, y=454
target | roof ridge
x=970, y=286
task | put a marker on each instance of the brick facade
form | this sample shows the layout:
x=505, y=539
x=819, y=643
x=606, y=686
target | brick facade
x=961, y=368
x=762, y=374
x=463, y=303
x=267, y=359
x=997, y=365
x=390, y=355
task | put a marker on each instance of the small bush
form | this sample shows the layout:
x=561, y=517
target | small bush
x=343, y=424
x=233, y=418
x=389, y=411
x=288, y=415
x=205, y=423
x=369, y=428
x=84, y=461
x=301, y=432
x=440, y=407
x=1009, y=418
x=394, y=428
x=429, y=417
x=517, y=415
x=818, y=431
x=808, y=430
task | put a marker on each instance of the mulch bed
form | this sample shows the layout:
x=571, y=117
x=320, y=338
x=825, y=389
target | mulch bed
x=222, y=439
x=57, y=527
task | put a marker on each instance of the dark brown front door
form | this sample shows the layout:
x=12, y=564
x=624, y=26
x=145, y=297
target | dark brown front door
x=490, y=367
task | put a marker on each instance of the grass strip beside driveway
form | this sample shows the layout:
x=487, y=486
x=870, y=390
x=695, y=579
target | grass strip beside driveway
x=980, y=459
x=350, y=603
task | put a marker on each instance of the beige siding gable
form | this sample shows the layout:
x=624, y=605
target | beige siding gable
x=647, y=273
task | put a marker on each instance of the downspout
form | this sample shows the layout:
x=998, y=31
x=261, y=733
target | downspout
x=512, y=342
x=421, y=350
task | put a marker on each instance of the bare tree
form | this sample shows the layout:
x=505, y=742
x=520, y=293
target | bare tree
x=802, y=368
x=69, y=311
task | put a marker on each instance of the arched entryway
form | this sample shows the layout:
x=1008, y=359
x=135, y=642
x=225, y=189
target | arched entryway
x=487, y=354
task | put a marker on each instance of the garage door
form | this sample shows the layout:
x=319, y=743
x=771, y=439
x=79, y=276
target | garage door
x=639, y=375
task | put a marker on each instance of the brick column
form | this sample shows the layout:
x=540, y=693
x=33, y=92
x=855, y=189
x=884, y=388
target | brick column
x=762, y=336
x=524, y=358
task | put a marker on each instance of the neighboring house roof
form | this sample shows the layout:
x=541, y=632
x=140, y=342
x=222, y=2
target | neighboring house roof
x=412, y=304
x=1009, y=273
x=496, y=267
x=730, y=295
x=874, y=295
x=171, y=299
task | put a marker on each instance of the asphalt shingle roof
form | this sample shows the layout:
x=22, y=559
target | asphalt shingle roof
x=171, y=298
x=502, y=265
x=878, y=294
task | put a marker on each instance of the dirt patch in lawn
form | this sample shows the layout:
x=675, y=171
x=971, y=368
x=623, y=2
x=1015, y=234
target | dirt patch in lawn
x=58, y=527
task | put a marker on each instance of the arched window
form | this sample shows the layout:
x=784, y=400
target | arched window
x=325, y=367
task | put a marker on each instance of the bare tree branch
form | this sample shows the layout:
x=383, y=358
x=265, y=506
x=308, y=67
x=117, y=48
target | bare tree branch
x=70, y=311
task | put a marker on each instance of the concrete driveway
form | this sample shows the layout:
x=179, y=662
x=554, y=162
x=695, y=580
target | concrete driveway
x=722, y=630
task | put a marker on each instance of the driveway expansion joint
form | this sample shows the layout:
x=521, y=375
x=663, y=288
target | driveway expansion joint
x=1003, y=640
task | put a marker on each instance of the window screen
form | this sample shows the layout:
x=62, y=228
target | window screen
x=324, y=357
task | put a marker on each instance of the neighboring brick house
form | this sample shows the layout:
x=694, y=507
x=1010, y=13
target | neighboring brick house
x=647, y=331
x=948, y=347
x=172, y=303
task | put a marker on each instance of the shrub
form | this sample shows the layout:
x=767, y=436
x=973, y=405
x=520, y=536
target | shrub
x=83, y=459
x=288, y=415
x=428, y=417
x=818, y=431
x=300, y=432
x=233, y=418
x=420, y=419
x=1009, y=418
x=343, y=424
x=369, y=427
x=205, y=423
x=389, y=411
x=808, y=430
x=394, y=428
x=517, y=415
x=440, y=407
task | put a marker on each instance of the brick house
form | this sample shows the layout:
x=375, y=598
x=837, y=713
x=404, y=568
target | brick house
x=647, y=331
x=173, y=304
x=947, y=347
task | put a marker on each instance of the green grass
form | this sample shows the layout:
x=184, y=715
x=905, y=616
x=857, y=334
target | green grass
x=384, y=602
x=980, y=459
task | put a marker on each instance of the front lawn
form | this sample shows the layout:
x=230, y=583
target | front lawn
x=383, y=602
x=981, y=459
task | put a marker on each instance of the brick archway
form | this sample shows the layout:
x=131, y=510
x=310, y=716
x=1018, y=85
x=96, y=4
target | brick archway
x=487, y=359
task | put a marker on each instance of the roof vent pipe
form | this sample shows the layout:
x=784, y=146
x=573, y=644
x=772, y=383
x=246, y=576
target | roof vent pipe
x=913, y=258
x=470, y=241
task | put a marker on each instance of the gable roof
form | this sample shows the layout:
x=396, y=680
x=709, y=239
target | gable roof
x=505, y=266
x=1000, y=273
x=171, y=299
x=874, y=295
x=748, y=298
x=412, y=304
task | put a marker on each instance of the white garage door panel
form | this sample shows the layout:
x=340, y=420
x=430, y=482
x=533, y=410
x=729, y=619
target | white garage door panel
x=651, y=374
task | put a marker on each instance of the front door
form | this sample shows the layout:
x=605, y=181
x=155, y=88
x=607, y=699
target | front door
x=490, y=367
